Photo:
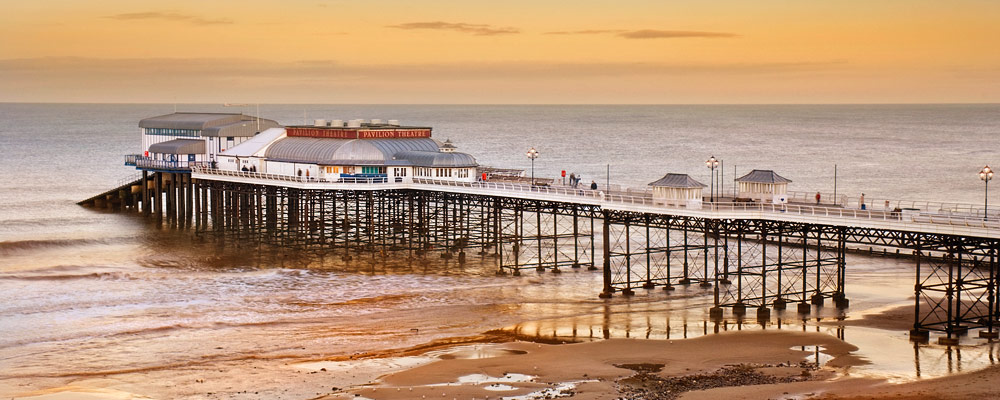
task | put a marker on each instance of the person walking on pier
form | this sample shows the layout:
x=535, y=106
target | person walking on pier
x=817, y=198
x=593, y=185
x=862, y=201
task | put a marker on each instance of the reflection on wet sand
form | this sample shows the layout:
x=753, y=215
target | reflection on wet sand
x=889, y=353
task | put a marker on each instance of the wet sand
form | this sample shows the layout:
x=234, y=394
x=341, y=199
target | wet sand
x=733, y=365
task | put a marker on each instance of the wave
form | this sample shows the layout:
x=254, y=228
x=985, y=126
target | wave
x=65, y=277
x=15, y=246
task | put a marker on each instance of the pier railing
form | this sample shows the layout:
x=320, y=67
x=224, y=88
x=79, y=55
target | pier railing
x=140, y=161
x=202, y=169
x=931, y=213
x=935, y=213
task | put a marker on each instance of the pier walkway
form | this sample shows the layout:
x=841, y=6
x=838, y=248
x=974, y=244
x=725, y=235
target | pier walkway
x=931, y=217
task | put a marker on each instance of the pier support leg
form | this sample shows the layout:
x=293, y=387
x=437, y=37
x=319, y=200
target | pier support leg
x=606, y=236
x=158, y=196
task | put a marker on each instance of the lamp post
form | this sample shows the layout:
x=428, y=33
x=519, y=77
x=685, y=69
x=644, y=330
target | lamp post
x=532, y=154
x=986, y=174
x=711, y=163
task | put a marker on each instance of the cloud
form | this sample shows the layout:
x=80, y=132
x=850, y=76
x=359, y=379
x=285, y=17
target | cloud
x=586, y=32
x=475, y=29
x=89, y=69
x=240, y=80
x=660, y=34
x=169, y=16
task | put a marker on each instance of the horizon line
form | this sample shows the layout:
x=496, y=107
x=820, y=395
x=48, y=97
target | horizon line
x=507, y=104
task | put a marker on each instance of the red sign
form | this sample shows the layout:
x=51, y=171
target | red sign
x=564, y=173
x=394, y=133
x=322, y=133
x=357, y=133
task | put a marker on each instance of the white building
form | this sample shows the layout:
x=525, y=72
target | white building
x=678, y=190
x=764, y=185
x=359, y=152
x=181, y=140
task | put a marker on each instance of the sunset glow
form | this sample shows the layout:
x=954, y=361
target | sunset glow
x=512, y=52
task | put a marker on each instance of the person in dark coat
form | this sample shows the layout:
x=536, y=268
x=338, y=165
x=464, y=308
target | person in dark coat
x=593, y=185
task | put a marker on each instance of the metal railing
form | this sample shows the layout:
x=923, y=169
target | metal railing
x=130, y=159
x=287, y=178
x=140, y=161
x=820, y=212
x=935, y=213
x=514, y=187
x=129, y=179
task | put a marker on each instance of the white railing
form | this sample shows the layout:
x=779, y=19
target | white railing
x=935, y=213
x=129, y=179
x=287, y=178
x=905, y=215
x=514, y=187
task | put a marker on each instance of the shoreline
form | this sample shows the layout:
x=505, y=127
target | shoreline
x=733, y=363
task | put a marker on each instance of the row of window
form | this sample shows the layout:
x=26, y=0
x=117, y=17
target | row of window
x=441, y=172
x=174, y=132
x=171, y=157
x=418, y=171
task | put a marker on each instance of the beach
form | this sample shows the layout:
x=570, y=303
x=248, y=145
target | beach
x=104, y=305
x=752, y=364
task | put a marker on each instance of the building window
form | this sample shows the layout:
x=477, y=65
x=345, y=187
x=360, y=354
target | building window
x=173, y=132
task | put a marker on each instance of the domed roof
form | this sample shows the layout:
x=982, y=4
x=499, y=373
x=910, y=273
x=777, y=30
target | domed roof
x=437, y=159
x=346, y=151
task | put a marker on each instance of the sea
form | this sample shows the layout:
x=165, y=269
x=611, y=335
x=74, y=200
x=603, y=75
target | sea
x=100, y=300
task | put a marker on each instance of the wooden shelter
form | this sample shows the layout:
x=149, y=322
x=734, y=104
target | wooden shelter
x=678, y=190
x=764, y=185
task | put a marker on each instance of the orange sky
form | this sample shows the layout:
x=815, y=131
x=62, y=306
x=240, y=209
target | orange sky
x=516, y=51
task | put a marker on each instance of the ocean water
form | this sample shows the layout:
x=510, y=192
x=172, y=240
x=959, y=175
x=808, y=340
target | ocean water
x=108, y=300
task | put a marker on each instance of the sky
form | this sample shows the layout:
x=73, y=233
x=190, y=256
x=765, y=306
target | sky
x=503, y=52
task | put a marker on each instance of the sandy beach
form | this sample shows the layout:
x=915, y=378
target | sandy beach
x=733, y=365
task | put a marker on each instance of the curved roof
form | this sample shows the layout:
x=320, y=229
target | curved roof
x=437, y=159
x=677, y=181
x=179, y=146
x=304, y=149
x=253, y=145
x=346, y=151
x=210, y=124
x=763, y=176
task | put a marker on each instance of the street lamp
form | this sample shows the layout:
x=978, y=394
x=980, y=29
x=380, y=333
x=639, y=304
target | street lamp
x=532, y=154
x=986, y=174
x=712, y=163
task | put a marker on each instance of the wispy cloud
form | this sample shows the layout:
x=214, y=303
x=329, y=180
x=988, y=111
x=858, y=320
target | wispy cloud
x=226, y=79
x=587, y=32
x=475, y=29
x=232, y=68
x=661, y=34
x=170, y=16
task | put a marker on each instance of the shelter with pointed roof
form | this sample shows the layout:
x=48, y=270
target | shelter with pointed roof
x=678, y=190
x=764, y=185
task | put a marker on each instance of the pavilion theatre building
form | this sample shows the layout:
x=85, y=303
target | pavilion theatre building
x=357, y=151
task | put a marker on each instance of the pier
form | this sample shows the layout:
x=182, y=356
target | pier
x=749, y=255
x=769, y=250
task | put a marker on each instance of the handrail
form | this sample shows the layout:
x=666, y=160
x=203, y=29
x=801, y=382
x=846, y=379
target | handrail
x=148, y=162
x=904, y=216
x=129, y=179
